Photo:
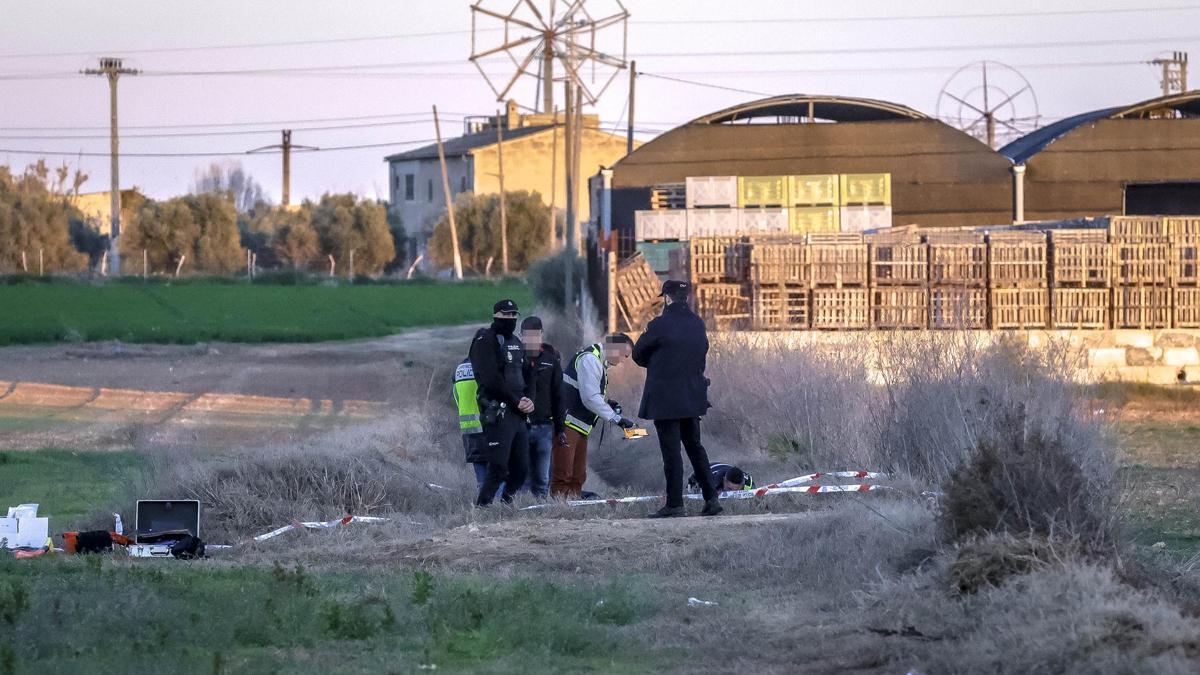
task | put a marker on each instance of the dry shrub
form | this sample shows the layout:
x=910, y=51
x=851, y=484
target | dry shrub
x=990, y=561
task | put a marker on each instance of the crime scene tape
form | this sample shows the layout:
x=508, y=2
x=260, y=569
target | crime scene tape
x=737, y=494
x=312, y=525
x=808, y=478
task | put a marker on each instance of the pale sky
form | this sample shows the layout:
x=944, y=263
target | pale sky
x=1075, y=55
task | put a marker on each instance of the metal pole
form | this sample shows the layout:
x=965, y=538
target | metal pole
x=1018, y=193
x=503, y=213
x=548, y=72
x=554, y=179
x=576, y=174
x=437, y=127
x=632, y=100
x=568, y=152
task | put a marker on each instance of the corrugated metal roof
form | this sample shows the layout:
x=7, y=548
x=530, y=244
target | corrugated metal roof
x=835, y=108
x=463, y=145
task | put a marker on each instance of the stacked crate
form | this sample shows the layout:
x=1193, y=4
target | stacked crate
x=1018, y=296
x=662, y=232
x=866, y=201
x=838, y=275
x=762, y=204
x=780, y=277
x=1141, y=272
x=718, y=269
x=957, y=279
x=1185, y=271
x=1080, y=279
x=898, y=274
x=814, y=204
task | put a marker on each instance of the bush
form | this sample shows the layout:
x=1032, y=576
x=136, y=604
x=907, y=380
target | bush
x=548, y=279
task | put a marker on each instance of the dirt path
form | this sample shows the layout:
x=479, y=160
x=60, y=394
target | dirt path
x=111, y=395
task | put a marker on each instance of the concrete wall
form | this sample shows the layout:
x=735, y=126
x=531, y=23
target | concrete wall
x=421, y=213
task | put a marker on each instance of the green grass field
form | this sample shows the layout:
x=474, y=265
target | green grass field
x=69, y=486
x=201, y=311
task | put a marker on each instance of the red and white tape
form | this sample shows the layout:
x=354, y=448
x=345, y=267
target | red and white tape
x=314, y=525
x=800, y=480
x=737, y=494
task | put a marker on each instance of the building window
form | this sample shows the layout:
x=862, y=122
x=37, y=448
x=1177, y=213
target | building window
x=430, y=190
x=410, y=187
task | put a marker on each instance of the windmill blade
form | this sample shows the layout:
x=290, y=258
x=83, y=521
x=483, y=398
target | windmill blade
x=536, y=12
x=1011, y=97
x=505, y=47
x=981, y=112
x=505, y=18
x=521, y=69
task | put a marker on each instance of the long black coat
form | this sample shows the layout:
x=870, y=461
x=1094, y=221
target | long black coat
x=673, y=350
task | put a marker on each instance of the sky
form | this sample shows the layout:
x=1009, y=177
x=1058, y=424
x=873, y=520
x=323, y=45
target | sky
x=386, y=63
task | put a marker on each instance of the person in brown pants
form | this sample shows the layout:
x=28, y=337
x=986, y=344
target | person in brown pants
x=587, y=404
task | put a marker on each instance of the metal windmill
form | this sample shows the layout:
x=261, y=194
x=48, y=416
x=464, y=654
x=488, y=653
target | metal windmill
x=989, y=100
x=585, y=40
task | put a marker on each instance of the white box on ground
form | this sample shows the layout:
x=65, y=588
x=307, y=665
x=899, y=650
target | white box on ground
x=862, y=218
x=763, y=220
x=711, y=191
x=23, y=529
x=712, y=222
x=660, y=225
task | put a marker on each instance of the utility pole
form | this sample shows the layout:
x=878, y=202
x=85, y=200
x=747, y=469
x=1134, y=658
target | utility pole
x=632, y=99
x=285, y=145
x=554, y=178
x=113, y=69
x=1174, y=73
x=503, y=212
x=437, y=127
x=548, y=72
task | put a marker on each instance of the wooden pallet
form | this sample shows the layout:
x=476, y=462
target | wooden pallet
x=1185, y=308
x=899, y=307
x=897, y=260
x=668, y=196
x=779, y=308
x=723, y=306
x=1080, y=258
x=841, y=309
x=957, y=259
x=957, y=307
x=837, y=259
x=1080, y=308
x=1146, y=261
x=717, y=259
x=1010, y=308
x=637, y=292
x=1133, y=228
x=1185, y=250
x=1142, y=307
x=1017, y=259
x=784, y=263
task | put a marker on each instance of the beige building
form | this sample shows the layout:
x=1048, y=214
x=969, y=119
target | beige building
x=415, y=179
x=96, y=208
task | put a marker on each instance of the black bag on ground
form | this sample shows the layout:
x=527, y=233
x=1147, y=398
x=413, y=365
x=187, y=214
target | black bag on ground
x=188, y=548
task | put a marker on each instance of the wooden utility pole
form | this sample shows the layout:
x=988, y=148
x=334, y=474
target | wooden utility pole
x=285, y=145
x=632, y=100
x=437, y=128
x=548, y=71
x=568, y=159
x=554, y=178
x=1174, y=73
x=577, y=175
x=500, y=176
x=113, y=69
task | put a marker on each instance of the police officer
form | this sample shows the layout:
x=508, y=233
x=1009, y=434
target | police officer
x=497, y=358
x=673, y=350
x=466, y=400
x=725, y=478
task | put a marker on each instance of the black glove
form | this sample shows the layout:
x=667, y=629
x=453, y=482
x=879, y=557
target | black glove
x=626, y=423
x=615, y=406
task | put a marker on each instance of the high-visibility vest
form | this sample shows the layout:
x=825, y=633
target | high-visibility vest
x=578, y=416
x=465, y=390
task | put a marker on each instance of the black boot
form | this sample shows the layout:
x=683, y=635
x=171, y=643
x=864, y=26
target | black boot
x=712, y=507
x=669, y=512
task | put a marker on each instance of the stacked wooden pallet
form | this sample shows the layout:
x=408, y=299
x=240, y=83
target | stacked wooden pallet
x=637, y=292
x=898, y=274
x=1185, y=271
x=781, y=277
x=838, y=272
x=1141, y=272
x=958, y=266
x=1018, y=296
x=1080, y=279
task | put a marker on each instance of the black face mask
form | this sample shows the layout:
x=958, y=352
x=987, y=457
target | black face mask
x=505, y=327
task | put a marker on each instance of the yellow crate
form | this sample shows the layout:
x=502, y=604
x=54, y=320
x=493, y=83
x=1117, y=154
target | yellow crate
x=763, y=191
x=807, y=219
x=818, y=190
x=866, y=188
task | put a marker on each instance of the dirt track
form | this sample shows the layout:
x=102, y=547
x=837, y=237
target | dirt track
x=112, y=395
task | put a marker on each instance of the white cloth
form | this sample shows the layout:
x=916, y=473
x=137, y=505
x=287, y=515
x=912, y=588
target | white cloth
x=590, y=371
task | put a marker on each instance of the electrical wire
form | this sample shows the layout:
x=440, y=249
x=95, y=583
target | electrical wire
x=923, y=17
x=642, y=73
x=338, y=148
x=234, y=132
x=313, y=120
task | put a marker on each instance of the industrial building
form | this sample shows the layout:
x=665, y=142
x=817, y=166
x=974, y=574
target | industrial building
x=940, y=176
x=1140, y=159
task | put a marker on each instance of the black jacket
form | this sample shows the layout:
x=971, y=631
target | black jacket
x=498, y=363
x=673, y=351
x=544, y=379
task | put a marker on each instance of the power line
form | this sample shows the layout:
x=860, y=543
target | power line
x=894, y=69
x=924, y=17
x=1108, y=42
x=702, y=84
x=58, y=153
x=234, y=132
x=235, y=124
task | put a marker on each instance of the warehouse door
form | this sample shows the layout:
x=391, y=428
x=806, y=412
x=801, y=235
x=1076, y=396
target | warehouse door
x=1162, y=199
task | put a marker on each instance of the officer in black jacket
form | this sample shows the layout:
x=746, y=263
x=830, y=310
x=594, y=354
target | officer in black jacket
x=497, y=357
x=673, y=350
x=544, y=379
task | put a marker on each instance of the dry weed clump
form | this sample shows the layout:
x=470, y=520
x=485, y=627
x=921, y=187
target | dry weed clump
x=989, y=562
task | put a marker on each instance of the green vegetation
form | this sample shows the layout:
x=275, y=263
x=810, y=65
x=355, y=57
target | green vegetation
x=212, y=310
x=68, y=486
x=169, y=616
